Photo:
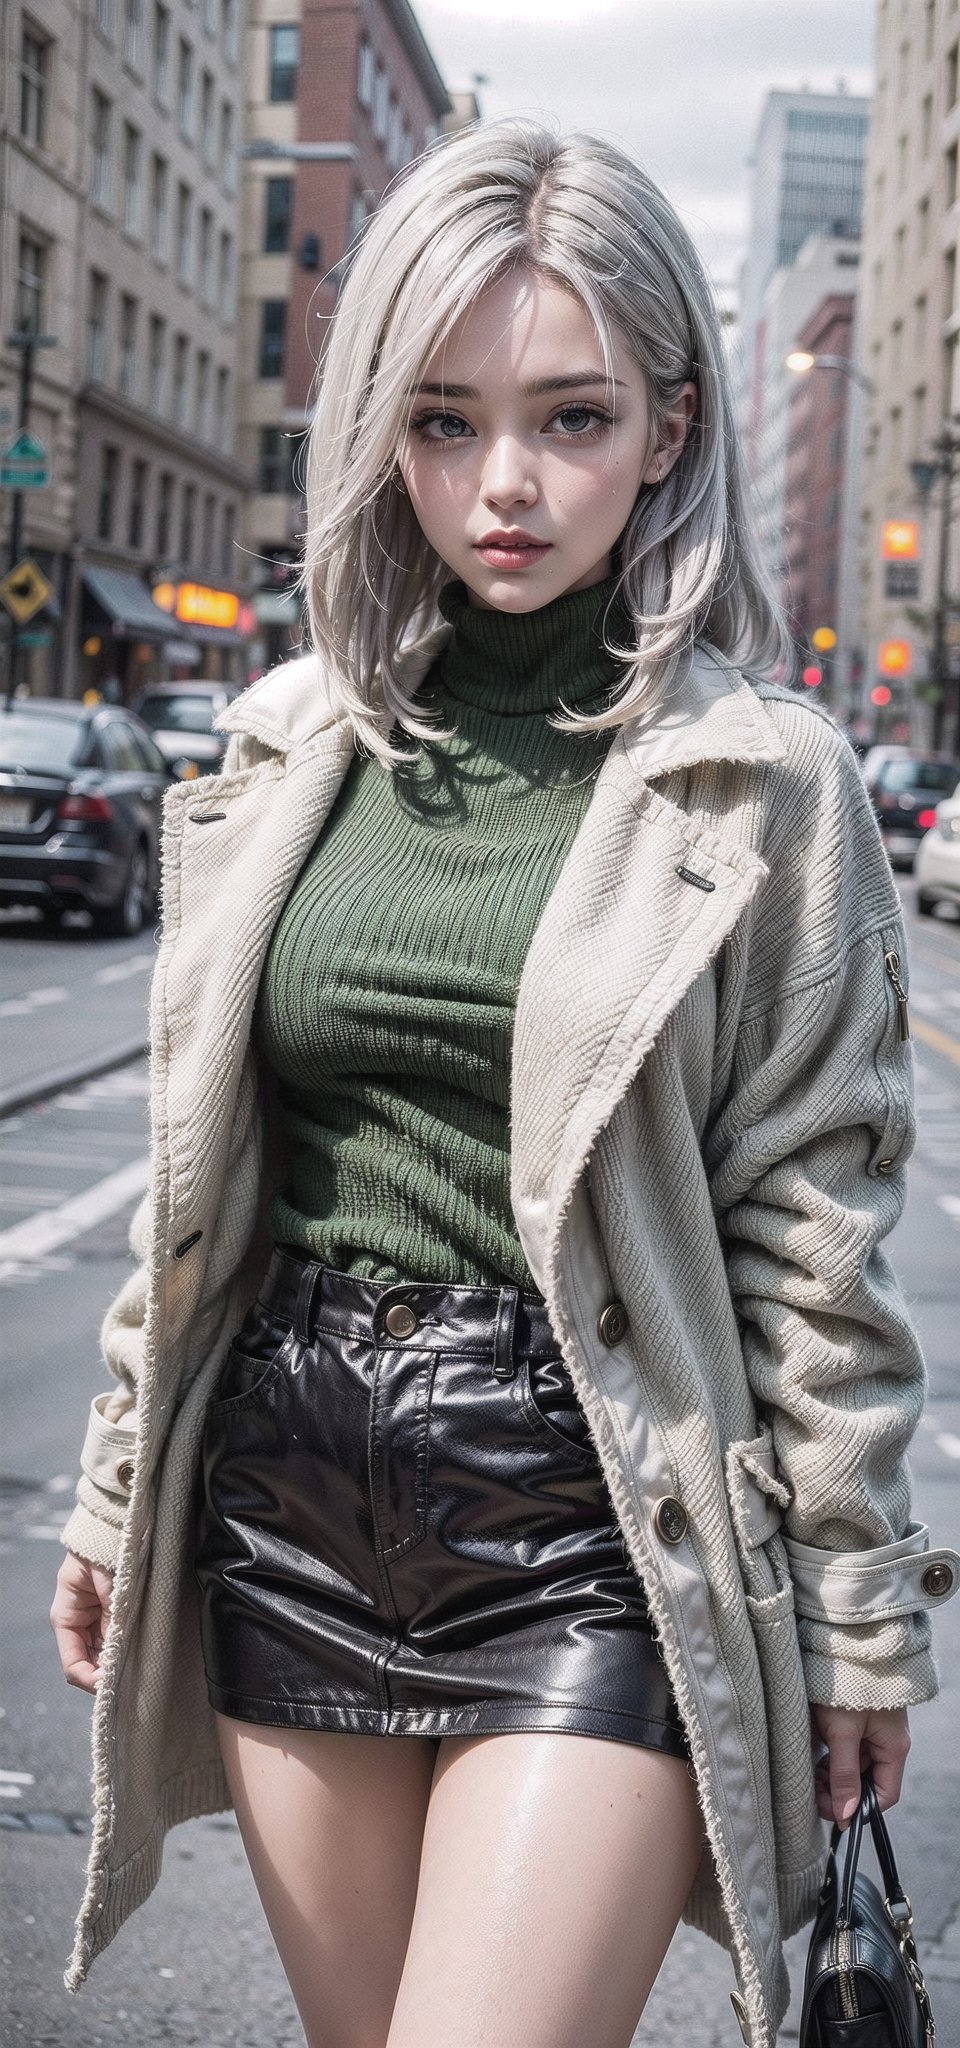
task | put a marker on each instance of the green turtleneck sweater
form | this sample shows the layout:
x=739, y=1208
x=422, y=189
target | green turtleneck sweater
x=387, y=1000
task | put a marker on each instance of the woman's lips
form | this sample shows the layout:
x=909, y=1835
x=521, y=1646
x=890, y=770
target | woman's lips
x=512, y=554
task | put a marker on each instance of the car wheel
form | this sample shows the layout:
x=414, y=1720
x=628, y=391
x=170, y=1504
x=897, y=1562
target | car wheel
x=125, y=918
x=926, y=904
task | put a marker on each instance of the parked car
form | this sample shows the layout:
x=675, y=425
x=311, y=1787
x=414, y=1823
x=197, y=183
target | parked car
x=905, y=789
x=81, y=791
x=937, y=865
x=180, y=717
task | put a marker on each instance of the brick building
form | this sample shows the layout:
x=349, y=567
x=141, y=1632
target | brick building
x=339, y=99
x=816, y=452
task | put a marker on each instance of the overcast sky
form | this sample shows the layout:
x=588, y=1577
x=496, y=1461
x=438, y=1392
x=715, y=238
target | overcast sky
x=679, y=82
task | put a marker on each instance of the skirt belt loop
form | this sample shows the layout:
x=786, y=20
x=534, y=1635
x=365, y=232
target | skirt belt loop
x=309, y=1279
x=504, y=1363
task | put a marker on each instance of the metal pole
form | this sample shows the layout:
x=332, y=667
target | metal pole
x=945, y=450
x=27, y=346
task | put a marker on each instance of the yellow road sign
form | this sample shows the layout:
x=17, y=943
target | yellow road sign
x=25, y=590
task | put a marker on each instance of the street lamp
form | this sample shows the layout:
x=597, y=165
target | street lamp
x=925, y=474
x=801, y=361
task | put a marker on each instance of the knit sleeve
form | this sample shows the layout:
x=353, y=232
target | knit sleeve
x=106, y=1460
x=808, y=1180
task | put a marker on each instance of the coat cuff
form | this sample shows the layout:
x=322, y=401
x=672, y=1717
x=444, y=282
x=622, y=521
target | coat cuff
x=107, y=1457
x=89, y=1535
x=848, y=1588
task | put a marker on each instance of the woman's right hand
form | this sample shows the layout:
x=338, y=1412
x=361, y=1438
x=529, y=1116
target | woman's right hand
x=79, y=1618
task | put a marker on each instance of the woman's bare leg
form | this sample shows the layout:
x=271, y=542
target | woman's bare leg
x=554, y=1872
x=332, y=1826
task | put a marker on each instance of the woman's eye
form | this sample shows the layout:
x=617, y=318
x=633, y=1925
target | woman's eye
x=576, y=420
x=441, y=426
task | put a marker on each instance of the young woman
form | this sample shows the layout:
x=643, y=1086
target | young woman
x=532, y=980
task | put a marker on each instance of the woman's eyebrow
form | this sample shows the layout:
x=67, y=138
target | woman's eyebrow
x=540, y=388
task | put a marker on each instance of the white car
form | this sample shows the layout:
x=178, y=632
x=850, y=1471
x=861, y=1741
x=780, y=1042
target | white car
x=937, y=865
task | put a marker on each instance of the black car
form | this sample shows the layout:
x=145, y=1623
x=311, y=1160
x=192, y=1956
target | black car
x=81, y=791
x=180, y=717
x=905, y=789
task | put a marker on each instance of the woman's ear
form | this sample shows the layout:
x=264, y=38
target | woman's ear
x=673, y=434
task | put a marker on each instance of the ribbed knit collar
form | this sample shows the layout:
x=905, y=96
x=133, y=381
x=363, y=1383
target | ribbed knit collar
x=515, y=664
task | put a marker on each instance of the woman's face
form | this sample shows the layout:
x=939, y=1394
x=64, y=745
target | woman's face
x=523, y=461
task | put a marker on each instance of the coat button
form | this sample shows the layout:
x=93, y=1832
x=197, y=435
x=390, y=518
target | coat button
x=670, y=1520
x=937, y=1580
x=612, y=1323
x=125, y=1474
x=400, y=1319
x=186, y=1244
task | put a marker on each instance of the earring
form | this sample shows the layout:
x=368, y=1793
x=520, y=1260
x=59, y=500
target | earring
x=659, y=477
x=398, y=483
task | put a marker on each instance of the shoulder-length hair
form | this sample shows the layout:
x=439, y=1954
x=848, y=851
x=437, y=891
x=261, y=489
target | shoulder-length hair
x=506, y=195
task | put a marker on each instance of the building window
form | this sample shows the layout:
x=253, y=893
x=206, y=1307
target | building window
x=128, y=345
x=899, y=248
x=929, y=28
x=920, y=325
x=188, y=517
x=273, y=333
x=228, y=154
x=164, y=514
x=161, y=54
x=952, y=61
x=209, y=18
x=284, y=59
x=220, y=434
x=926, y=126
x=105, y=18
x=950, y=165
x=365, y=74
x=184, y=207
x=275, y=474
x=381, y=103
x=180, y=348
x=923, y=231
x=158, y=347
x=201, y=394
x=185, y=91
x=919, y=415
x=30, y=271
x=225, y=290
x=279, y=208
x=394, y=136
x=207, y=541
x=159, y=201
x=100, y=170
x=133, y=34
x=205, y=257
x=132, y=178
x=34, y=61
x=208, y=134
x=227, y=564
x=107, y=493
x=137, y=505
x=230, y=15
x=949, y=282
x=97, y=326
x=357, y=220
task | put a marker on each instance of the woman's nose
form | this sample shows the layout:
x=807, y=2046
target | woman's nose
x=508, y=477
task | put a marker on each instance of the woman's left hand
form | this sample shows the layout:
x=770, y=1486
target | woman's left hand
x=856, y=1741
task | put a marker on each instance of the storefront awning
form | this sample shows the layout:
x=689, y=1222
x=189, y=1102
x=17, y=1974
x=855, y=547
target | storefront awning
x=129, y=605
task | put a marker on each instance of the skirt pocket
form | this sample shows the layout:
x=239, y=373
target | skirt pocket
x=254, y=1359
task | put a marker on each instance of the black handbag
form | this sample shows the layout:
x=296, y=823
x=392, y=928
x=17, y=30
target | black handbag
x=863, y=1986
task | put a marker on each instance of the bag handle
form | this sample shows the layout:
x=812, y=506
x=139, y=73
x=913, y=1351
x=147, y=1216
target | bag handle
x=868, y=1812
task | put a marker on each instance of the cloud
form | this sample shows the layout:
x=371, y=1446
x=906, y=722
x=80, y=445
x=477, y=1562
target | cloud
x=681, y=85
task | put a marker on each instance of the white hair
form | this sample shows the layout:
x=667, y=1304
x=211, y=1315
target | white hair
x=579, y=211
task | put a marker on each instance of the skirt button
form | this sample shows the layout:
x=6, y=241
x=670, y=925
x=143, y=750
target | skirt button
x=670, y=1520
x=400, y=1319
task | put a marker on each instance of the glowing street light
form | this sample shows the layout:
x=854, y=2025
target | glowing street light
x=801, y=361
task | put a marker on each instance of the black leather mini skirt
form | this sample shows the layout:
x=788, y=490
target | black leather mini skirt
x=404, y=1527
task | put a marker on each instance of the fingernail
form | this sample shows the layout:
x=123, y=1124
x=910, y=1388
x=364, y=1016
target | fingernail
x=848, y=1809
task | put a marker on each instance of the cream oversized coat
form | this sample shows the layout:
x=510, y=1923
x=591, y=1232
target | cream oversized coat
x=711, y=1110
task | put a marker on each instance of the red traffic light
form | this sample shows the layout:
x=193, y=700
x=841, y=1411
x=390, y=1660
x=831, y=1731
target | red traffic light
x=880, y=694
x=812, y=675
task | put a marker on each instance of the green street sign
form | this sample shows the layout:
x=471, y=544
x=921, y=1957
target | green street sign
x=23, y=464
x=40, y=637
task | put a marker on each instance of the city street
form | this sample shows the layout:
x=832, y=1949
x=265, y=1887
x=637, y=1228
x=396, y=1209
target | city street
x=196, y=1964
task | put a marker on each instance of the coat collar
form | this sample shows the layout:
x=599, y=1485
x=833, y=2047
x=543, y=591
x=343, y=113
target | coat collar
x=711, y=713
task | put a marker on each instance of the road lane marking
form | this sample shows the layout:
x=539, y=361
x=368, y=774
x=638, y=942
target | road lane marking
x=951, y=1203
x=50, y=1228
x=123, y=969
x=15, y=1778
x=11, y=1155
x=949, y=1444
x=35, y=999
x=21, y=1198
x=939, y=1041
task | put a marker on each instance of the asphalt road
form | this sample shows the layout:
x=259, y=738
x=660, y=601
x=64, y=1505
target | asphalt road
x=196, y=1965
